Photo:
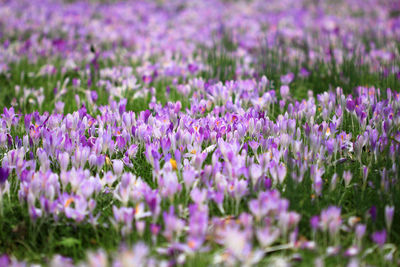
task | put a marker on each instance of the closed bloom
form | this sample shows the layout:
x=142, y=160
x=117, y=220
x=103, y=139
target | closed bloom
x=63, y=158
x=284, y=90
x=347, y=176
x=360, y=231
x=389, y=212
x=4, y=172
x=331, y=220
x=255, y=173
x=350, y=105
x=59, y=106
x=314, y=222
x=118, y=167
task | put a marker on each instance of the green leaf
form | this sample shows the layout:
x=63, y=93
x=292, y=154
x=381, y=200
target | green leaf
x=69, y=242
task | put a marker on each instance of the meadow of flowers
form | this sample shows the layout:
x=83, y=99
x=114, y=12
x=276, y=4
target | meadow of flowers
x=200, y=133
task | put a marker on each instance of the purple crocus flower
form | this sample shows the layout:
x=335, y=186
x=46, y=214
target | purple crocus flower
x=5, y=260
x=288, y=78
x=59, y=107
x=118, y=167
x=188, y=177
x=360, y=231
x=379, y=237
x=389, y=212
x=267, y=183
x=218, y=198
x=63, y=159
x=284, y=90
x=314, y=221
x=93, y=95
x=267, y=235
x=198, y=195
x=4, y=173
x=347, y=176
x=350, y=105
x=9, y=116
x=331, y=220
x=304, y=72
x=173, y=225
x=255, y=173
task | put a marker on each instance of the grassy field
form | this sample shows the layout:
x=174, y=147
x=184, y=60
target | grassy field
x=142, y=133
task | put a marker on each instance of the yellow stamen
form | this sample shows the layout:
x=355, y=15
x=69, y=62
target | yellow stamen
x=173, y=164
x=137, y=210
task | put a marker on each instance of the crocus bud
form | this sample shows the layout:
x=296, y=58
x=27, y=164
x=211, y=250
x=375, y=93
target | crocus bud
x=118, y=166
x=284, y=90
x=63, y=158
x=59, y=107
x=4, y=172
x=347, y=176
x=360, y=231
x=389, y=212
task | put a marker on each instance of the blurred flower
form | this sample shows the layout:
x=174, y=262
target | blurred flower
x=389, y=212
x=379, y=237
x=4, y=173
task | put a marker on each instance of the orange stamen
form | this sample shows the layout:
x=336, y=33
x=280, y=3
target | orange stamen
x=191, y=244
x=68, y=202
